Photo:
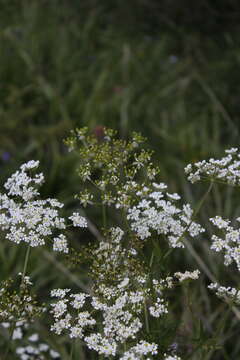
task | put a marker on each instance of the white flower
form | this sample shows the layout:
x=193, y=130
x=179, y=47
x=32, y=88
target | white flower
x=6, y=325
x=23, y=217
x=226, y=169
x=160, y=186
x=171, y=357
x=124, y=283
x=78, y=220
x=174, y=196
x=79, y=300
x=61, y=293
x=21, y=184
x=231, y=151
x=226, y=293
x=158, y=309
x=43, y=347
x=229, y=243
x=61, y=324
x=76, y=332
x=219, y=222
x=160, y=215
x=142, y=348
x=60, y=244
x=17, y=333
x=33, y=337
x=54, y=354
x=193, y=275
x=101, y=344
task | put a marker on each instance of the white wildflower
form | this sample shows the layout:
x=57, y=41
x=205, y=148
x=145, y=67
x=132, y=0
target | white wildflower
x=137, y=351
x=78, y=220
x=54, y=354
x=220, y=222
x=79, y=300
x=227, y=169
x=60, y=244
x=23, y=217
x=158, y=309
x=226, y=293
x=229, y=242
x=5, y=325
x=124, y=283
x=33, y=337
x=162, y=216
x=193, y=275
x=171, y=357
x=101, y=344
x=17, y=333
x=43, y=347
x=61, y=293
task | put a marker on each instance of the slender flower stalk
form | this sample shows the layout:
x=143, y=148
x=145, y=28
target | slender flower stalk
x=25, y=264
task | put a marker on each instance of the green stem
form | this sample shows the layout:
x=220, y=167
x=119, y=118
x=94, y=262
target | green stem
x=104, y=215
x=25, y=264
x=71, y=351
x=221, y=325
x=151, y=260
x=196, y=211
x=201, y=202
x=146, y=318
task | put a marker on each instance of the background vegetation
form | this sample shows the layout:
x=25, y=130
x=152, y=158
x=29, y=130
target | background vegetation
x=168, y=69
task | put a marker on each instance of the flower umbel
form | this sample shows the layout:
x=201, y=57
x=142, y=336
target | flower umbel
x=24, y=217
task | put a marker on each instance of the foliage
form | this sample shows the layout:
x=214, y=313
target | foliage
x=149, y=66
x=177, y=92
x=123, y=294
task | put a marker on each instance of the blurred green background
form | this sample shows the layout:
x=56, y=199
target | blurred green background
x=168, y=69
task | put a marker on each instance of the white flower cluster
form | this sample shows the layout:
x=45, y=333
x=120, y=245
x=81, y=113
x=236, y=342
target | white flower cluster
x=119, y=309
x=26, y=219
x=223, y=292
x=167, y=283
x=119, y=304
x=171, y=357
x=36, y=351
x=101, y=344
x=60, y=244
x=119, y=320
x=61, y=313
x=137, y=351
x=226, y=169
x=157, y=212
x=78, y=220
x=22, y=185
x=229, y=242
x=187, y=275
x=158, y=308
x=32, y=347
x=111, y=254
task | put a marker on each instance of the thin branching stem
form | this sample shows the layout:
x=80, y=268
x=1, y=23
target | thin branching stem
x=25, y=264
